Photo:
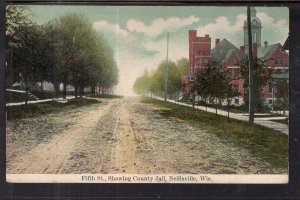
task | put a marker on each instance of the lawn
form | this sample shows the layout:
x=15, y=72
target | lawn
x=261, y=141
x=107, y=96
x=33, y=110
x=282, y=121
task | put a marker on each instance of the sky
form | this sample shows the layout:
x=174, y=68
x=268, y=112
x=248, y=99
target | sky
x=138, y=34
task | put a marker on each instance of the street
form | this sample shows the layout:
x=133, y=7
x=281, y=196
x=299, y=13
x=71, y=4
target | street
x=122, y=135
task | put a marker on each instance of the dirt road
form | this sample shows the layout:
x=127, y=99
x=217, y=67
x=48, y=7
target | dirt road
x=122, y=136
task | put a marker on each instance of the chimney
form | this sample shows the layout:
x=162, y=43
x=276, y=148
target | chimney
x=217, y=42
x=207, y=35
x=266, y=43
x=242, y=48
x=254, y=50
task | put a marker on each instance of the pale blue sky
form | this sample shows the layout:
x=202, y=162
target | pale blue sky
x=138, y=33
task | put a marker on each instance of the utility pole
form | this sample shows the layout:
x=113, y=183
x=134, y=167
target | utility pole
x=167, y=69
x=251, y=77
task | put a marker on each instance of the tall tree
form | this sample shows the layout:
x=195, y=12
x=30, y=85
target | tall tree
x=17, y=17
x=212, y=83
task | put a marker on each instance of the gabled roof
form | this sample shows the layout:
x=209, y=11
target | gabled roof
x=224, y=50
x=286, y=45
x=266, y=52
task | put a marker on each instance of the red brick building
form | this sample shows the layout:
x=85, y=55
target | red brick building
x=228, y=56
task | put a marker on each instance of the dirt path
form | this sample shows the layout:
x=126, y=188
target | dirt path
x=122, y=136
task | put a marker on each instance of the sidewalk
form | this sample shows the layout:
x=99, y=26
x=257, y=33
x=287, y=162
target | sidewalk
x=240, y=116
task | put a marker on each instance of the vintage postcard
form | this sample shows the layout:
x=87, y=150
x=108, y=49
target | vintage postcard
x=147, y=94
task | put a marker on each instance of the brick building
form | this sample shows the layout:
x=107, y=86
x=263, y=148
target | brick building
x=228, y=56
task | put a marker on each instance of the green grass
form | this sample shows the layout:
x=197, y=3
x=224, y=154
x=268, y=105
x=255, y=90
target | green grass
x=33, y=110
x=14, y=97
x=282, y=121
x=107, y=96
x=269, y=115
x=261, y=141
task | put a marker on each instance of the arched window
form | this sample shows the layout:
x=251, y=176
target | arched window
x=254, y=37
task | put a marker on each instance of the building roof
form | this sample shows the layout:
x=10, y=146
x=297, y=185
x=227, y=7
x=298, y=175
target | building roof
x=266, y=52
x=223, y=51
x=286, y=45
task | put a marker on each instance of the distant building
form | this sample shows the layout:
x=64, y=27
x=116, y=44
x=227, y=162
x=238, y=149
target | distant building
x=228, y=56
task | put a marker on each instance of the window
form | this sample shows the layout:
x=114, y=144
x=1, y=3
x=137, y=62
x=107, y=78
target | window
x=198, y=60
x=236, y=89
x=230, y=72
x=254, y=37
x=236, y=73
x=270, y=101
x=236, y=101
x=233, y=61
x=278, y=60
x=281, y=60
x=270, y=87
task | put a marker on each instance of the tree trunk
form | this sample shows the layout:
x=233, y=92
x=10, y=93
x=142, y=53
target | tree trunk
x=65, y=87
x=26, y=94
x=81, y=90
x=56, y=89
x=216, y=107
x=93, y=88
x=228, y=109
x=76, y=90
x=42, y=85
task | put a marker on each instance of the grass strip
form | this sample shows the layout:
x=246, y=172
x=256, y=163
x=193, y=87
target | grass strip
x=107, y=96
x=261, y=141
x=37, y=109
x=282, y=121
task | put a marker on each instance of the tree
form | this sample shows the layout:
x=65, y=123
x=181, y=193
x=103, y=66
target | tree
x=16, y=19
x=82, y=57
x=142, y=84
x=213, y=83
x=154, y=83
x=183, y=66
x=28, y=58
x=262, y=76
x=282, y=97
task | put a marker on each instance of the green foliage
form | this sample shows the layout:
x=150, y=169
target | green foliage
x=142, y=84
x=262, y=75
x=16, y=19
x=213, y=83
x=282, y=96
x=66, y=50
x=155, y=82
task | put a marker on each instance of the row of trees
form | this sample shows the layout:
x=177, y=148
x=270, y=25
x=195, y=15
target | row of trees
x=213, y=83
x=153, y=83
x=66, y=50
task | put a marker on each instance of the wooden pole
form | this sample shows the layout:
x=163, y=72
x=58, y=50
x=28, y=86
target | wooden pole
x=251, y=77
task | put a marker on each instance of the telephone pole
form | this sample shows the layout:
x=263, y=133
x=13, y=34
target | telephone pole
x=251, y=77
x=167, y=69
